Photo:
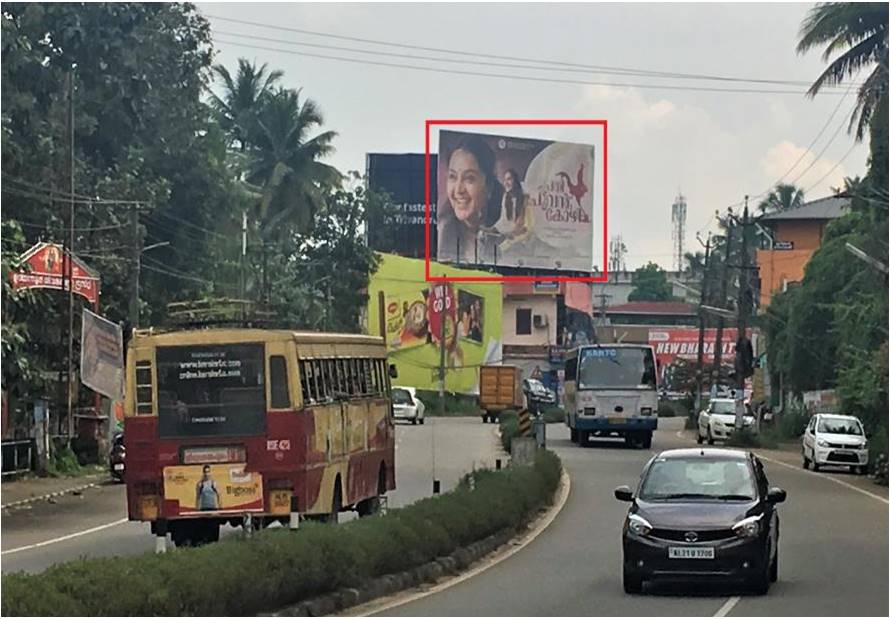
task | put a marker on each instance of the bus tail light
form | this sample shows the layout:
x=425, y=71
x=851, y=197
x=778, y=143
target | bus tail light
x=148, y=506
x=279, y=501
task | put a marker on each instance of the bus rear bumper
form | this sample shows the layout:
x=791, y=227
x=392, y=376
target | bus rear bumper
x=604, y=424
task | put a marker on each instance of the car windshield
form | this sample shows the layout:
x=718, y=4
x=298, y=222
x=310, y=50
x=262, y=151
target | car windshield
x=698, y=478
x=723, y=407
x=535, y=385
x=401, y=396
x=616, y=368
x=829, y=425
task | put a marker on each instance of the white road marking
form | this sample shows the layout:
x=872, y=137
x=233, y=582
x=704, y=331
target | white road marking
x=372, y=608
x=827, y=478
x=728, y=605
x=65, y=537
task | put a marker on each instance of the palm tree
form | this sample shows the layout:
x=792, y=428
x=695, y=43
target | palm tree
x=695, y=263
x=860, y=29
x=242, y=99
x=286, y=163
x=782, y=198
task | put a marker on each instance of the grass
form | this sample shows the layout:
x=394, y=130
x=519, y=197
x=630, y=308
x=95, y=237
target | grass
x=277, y=567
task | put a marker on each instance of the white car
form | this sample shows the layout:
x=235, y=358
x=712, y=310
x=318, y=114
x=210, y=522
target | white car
x=717, y=422
x=406, y=404
x=835, y=439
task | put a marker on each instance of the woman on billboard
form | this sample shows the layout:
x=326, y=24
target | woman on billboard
x=473, y=201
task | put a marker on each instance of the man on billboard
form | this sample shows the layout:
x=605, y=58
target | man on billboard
x=515, y=202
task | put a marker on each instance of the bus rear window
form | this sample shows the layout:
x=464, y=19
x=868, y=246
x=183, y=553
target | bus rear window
x=212, y=390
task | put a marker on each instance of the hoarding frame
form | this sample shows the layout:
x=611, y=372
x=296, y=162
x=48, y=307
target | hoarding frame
x=603, y=278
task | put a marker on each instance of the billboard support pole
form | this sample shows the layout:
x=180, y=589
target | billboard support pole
x=381, y=316
x=443, y=314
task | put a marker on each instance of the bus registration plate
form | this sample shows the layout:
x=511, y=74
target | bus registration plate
x=616, y=420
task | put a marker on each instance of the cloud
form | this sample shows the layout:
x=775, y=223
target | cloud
x=779, y=159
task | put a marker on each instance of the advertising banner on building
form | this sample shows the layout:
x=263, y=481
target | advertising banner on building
x=515, y=202
x=213, y=488
x=414, y=313
x=102, y=355
x=402, y=230
x=678, y=343
x=44, y=266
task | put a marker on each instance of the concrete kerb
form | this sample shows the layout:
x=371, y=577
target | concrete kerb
x=51, y=495
x=447, y=567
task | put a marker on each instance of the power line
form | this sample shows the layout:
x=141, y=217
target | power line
x=55, y=194
x=525, y=78
x=191, y=225
x=476, y=55
x=833, y=168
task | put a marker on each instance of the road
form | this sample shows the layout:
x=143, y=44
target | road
x=94, y=523
x=833, y=551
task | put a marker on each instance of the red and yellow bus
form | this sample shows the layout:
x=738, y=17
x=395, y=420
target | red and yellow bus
x=225, y=423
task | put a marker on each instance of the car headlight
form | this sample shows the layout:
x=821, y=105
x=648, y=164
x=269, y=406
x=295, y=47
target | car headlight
x=864, y=444
x=646, y=411
x=748, y=527
x=638, y=524
x=822, y=442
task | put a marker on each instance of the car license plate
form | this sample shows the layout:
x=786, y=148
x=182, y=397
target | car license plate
x=119, y=467
x=675, y=552
x=616, y=420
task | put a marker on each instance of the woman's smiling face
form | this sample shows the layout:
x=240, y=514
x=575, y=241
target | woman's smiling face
x=466, y=187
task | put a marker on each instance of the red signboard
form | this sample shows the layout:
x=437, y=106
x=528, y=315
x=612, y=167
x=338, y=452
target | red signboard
x=43, y=266
x=672, y=343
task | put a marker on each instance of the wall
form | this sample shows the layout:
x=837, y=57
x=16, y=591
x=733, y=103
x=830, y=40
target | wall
x=539, y=304
x=805, y=233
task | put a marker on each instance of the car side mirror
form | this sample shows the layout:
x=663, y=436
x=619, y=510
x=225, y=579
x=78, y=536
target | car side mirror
x=775, y=495
x=623, y=493
x=393, y=371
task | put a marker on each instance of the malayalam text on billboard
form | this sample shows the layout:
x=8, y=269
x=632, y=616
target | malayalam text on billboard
x=514, y=202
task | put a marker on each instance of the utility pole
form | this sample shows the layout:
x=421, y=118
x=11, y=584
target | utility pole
x=137, y=266
x=69, y=80
x=243, y=283
x=718, y=344
x=741, y=351
x=701, y=327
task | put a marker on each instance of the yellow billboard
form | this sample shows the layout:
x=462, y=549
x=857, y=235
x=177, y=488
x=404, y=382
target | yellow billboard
x=208, y=488
x=414, y=310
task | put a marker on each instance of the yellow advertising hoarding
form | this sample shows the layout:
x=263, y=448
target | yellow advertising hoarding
x=208, y=488
x=413, y=310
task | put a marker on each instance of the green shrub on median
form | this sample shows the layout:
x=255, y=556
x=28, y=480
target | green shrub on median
x=278, y=567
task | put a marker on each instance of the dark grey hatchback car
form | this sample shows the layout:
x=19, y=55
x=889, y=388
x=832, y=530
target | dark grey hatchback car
x=702, y=514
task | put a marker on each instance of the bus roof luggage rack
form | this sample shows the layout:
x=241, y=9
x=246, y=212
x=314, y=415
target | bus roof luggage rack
x=221, y=312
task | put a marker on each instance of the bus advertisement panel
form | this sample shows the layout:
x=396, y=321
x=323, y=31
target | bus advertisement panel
x=414, y=310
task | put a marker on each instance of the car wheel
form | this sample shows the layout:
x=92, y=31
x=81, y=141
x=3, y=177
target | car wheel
x=710, y=437
x=774, y=568
x=815, y=467
x=806, y=462
x=760, y=583
x=860, y=470
x=484, y=418
x=583, y=438
x=414, y=421
x=633, y=583
x=699, y=438
x=421, y=421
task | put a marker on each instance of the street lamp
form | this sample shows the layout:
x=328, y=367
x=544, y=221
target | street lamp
x=134, y=297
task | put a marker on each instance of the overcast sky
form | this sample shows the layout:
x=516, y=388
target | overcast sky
x=714, y=146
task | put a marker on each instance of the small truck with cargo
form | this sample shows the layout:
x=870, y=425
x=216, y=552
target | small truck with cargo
x=500, y=389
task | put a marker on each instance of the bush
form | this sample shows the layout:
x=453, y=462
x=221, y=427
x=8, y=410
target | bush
x=792, y=423
x=277, y=567
x=509, y=425
x=666, y=409
x=554, y=414
x=63, y=462
x=456, y=404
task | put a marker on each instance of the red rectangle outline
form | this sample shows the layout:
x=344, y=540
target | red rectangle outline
x=604, y=278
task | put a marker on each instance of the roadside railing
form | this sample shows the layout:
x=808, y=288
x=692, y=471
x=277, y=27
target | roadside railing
x=19, y=456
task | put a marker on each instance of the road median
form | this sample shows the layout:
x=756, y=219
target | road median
x=279, y=568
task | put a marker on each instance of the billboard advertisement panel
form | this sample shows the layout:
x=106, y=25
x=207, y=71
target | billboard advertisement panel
x=414, y=312
x=102, y=355
x=514, y=202
x=403, y=176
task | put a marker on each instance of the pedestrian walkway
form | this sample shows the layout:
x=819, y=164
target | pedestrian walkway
x=28, y=489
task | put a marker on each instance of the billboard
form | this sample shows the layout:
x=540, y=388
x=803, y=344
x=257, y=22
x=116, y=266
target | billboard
x=514, y=202
x=213, y=488
x=676, y=348
x=401, y=231
x=414, y=312
x=102, y=355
